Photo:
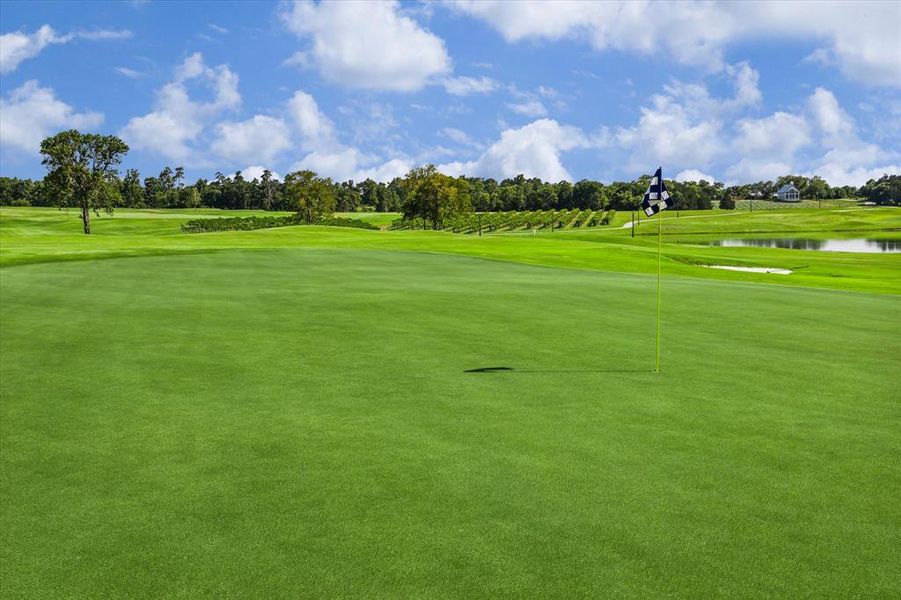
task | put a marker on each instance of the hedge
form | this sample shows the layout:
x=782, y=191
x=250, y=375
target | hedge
x=250, y=223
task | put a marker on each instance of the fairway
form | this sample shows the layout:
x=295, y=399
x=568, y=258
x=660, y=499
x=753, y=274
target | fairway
x=295, y=413
x=394, y=299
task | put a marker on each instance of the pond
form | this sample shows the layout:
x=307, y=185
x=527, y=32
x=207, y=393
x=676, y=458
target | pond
x=845, y=245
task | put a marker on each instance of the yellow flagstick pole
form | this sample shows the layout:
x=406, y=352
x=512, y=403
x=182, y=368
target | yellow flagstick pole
x=659, y=235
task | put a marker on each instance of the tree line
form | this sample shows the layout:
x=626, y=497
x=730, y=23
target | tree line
x=169, y=189
x=83, y=171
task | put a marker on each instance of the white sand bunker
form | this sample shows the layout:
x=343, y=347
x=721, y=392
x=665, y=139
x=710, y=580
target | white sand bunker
x=751, y=269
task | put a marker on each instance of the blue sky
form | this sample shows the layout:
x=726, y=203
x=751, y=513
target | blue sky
x=559, y=90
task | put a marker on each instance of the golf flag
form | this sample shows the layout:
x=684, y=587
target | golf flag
x=656, y=198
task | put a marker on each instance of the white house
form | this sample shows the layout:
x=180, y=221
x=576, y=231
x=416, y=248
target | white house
x=788, y=193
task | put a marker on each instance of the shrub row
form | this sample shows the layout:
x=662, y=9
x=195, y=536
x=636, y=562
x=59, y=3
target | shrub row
x=514, y=220
x=250, y=223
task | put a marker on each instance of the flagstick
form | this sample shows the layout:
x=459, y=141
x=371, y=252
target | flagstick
x=659, y=234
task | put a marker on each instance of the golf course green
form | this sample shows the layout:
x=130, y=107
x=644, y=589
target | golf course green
x=336, y=412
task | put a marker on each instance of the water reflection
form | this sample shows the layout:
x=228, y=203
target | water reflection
x=847, y=245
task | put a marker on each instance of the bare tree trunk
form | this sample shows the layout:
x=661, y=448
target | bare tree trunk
x=86, y=219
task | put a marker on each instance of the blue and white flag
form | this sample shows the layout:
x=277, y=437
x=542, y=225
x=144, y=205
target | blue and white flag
x=656, y=198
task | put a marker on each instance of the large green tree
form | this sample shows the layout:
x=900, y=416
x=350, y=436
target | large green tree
x=312, y=197
x=82, y=171
x=267, y=188
x=434, y=196
x=132, y=192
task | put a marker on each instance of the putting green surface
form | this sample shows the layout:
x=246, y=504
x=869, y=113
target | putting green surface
x=299, y=421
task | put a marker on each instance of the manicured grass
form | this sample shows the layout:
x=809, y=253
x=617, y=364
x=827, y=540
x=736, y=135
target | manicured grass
x=376, y=218
x=758, y=204
x=40, y=235
x=288, y=413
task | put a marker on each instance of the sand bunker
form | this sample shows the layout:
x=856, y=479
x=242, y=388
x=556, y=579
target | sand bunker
x=751, y=269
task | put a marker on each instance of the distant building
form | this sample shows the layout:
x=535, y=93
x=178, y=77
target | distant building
x=788, y=193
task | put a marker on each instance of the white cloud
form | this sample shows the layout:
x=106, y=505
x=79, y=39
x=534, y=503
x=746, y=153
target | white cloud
x=533, y=150
x=861, y=37
x=768, y=147
x=368, y=45
x=750, y=170
x=339, y=164
x=348, y=162
x=694, y=175
x=315, y=128
x=669, y=132
x=17, y=46
x=327, y=155
x=299, y=59
x=259, y=137
x=104, y=34
x=745, y=81
x=130, y=73
x=256, y=172
x=830, y=117
x=173, y=128
x=691, y=33
x=779, y=135
x=517, y=21
x=464, y=86
x=455, y=135
x=529, y=108
x=371, y=122
x=459, y=136
x=386, y=171
x=217, y=28
x=191, y=67
x=838, y=174
x=848, y=160
x=163, y=132
x=31, y=112
x=820, y=56
x=696, y=101
x=683, y=128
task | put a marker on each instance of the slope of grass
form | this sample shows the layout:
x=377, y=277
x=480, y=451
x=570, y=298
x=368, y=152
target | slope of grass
x=300, y=422
x=376, y=218
x=849, y=218
x=758, y=204
x=29, y=236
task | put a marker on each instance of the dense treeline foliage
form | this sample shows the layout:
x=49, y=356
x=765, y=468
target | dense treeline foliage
x=298, y=190
x=810, y=188
x=885, y=190
x=82, y=171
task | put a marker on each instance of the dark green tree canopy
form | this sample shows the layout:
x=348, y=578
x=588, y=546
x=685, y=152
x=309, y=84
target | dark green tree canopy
x=310, y=196
x=82, y=171
x=71, y=156
x=434, y=196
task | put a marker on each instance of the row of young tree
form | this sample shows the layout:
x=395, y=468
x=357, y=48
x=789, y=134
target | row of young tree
x=83, y=171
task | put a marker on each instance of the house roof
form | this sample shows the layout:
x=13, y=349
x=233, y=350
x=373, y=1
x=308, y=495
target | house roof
x=786, y=188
